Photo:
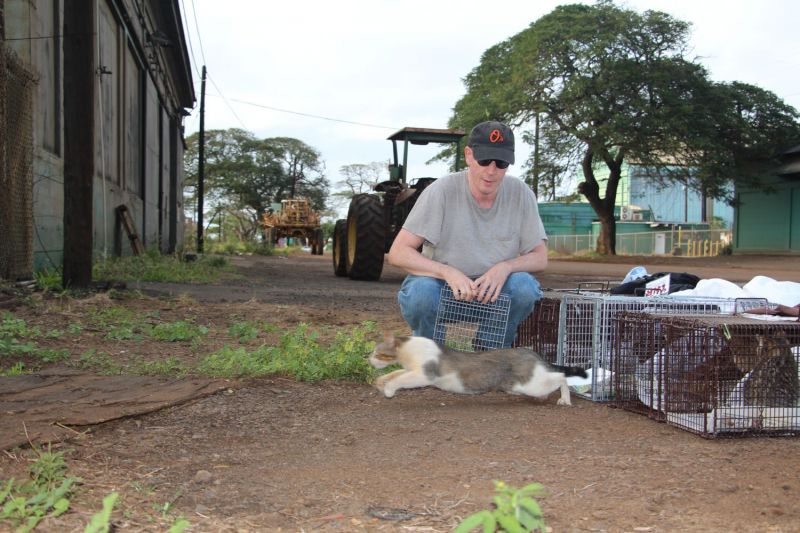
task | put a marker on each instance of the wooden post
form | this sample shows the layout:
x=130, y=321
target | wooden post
x=79, y=91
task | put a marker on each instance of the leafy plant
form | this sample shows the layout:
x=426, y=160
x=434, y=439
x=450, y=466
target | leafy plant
x=46, y=494
x=171, y=366
x=48, y=279
x=17, y=369
x=12, y=330
x=166, y=268
x=177, y=331
x=101, y=520
x=514, y=511
x=299, y=355
x=244, y=331
x=100, y=362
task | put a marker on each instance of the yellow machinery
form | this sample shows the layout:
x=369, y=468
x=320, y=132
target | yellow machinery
x=297, y=220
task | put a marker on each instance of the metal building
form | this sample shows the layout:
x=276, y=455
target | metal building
x=92, y=102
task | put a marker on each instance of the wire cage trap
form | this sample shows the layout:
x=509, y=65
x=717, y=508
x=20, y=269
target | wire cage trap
x=586, y=329
x=471, y=326
x=539, y=330
x=711, y=375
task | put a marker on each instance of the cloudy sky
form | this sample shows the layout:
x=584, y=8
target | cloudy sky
x=343, y=75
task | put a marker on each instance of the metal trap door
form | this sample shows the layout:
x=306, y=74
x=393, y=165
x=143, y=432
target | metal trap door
x=471, y=326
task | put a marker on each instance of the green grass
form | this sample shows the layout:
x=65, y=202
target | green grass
x=100, y=362
x=171, y=366
x=15, y=341
x=182, y=330
x=164, y=268
x=300, y=355
x=248, y=331
x=47, y=493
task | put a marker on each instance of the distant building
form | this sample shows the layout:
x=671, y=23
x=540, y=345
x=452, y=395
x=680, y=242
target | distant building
x=117, y=74
x=671, y=203
x=770, y=221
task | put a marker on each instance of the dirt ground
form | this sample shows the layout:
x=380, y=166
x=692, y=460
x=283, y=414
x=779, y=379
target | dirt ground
x=277, y=455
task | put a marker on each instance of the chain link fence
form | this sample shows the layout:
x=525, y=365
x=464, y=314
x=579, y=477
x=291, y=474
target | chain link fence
x=674, y=241
x=17, y=85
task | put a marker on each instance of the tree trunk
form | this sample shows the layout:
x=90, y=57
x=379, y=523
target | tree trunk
x=604, y=207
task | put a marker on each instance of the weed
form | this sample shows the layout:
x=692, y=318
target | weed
x=120, y=323
x=170, y=366
x=177, y=331
x=100, y=362
x=48, y=279
x=49, y=468
x=17, y=369
x=514, y=511
x=300, y=355
x=155, y=267
x=46, y=494
x=12, y=330
x=11, y=327
x=101, y=521
x=244, y=331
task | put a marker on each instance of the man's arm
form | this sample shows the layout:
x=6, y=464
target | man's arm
x=405, y=254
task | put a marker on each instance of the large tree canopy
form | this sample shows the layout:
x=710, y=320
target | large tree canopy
x=245, y=175
x=607, y=85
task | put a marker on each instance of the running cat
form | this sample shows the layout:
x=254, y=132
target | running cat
x=426, y=363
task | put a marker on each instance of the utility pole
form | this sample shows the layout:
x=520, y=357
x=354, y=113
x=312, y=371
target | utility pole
x=201, y=156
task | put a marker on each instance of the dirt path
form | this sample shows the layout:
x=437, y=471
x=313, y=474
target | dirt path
x=277, y=455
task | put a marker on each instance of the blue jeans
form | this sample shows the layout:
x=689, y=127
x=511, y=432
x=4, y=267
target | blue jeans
x=419, y=302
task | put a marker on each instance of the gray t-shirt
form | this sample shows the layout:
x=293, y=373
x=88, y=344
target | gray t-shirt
x=459, y=233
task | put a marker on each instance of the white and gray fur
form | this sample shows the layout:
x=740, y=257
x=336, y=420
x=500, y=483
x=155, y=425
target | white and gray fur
x=426, y=363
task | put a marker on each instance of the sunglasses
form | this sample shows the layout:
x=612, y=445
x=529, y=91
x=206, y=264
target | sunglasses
x=499, y=164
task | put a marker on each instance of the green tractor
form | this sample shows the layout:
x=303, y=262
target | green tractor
x=373, y=220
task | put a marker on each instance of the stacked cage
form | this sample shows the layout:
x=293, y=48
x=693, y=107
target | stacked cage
x=471, y=326
x=586, y=329
x=539, y=330
x=711, y=375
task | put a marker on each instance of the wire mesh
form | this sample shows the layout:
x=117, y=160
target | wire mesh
x=471, y=326
x=712, y=375
x=587, y=329
x=16, y=166
x=539, y=330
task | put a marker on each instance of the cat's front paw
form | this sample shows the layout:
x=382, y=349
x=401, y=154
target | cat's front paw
x=564, y=401
x=388, y=391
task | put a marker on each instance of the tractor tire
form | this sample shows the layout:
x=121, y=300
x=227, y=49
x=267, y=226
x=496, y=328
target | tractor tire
x=318, y=248
x=365, y=237
x=340, y=248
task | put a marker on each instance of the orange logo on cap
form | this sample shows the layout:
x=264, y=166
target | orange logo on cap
x=496, y=136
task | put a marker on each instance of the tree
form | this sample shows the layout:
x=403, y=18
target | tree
x=244, y=176
x=357, y=178
x=303, y=168
x=610, y=85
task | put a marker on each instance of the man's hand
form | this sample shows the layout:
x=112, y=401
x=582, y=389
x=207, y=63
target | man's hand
x=463, y=287
x=490, y=284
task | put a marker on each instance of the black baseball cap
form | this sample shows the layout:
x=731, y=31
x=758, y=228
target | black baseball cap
x=492, y=140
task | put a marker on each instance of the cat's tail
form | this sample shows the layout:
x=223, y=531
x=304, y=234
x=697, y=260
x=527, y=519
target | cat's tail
x=571, y=371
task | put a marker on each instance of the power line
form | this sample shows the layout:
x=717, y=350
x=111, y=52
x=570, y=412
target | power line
x=311, y=115
x=185, y=18
x=199, y=38
x=226, y=100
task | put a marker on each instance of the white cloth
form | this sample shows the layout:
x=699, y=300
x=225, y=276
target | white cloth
x=775, y=292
